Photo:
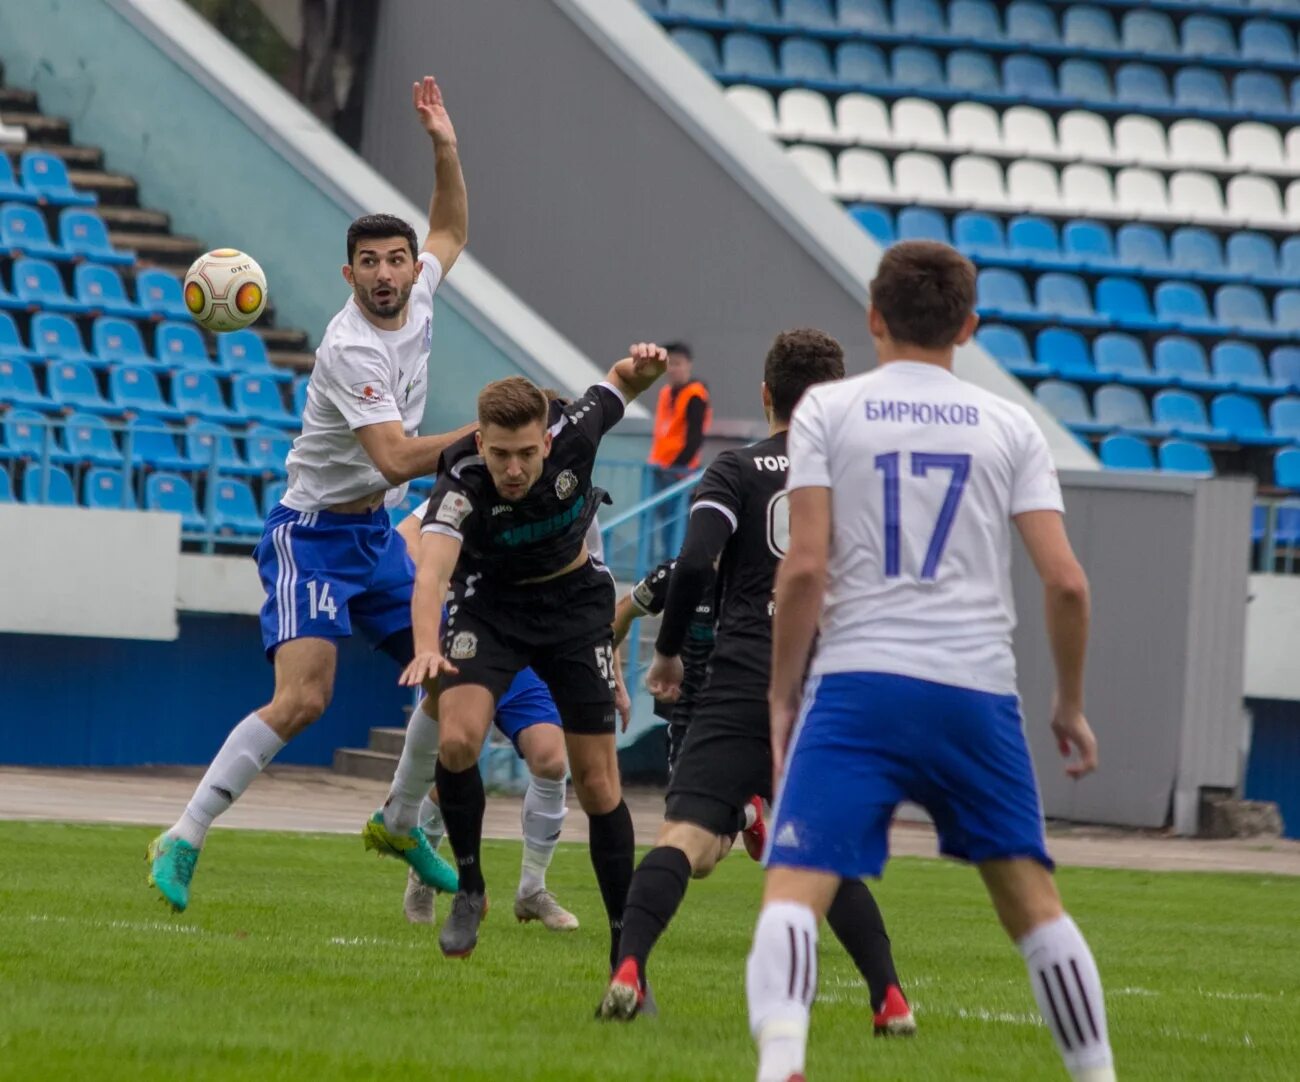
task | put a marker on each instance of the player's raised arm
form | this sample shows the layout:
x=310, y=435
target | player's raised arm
x=449, y=209
x=437, y=560
x=401, y=458
x=636, y=372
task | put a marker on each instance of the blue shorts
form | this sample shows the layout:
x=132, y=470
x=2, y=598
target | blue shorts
x=866, y=742
x=527, y=702
x=324, y=572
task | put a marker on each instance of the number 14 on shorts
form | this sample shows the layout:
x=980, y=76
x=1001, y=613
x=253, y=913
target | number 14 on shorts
x=318, y=594
x=922, y=463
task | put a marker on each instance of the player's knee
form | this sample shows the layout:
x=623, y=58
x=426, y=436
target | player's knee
x=456, y=750
x=548, y=763
x=597, y=787
x=295, y=709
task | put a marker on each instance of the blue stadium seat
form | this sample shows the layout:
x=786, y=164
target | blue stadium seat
x=1066, y=353
x=1289, y=258
x=411, y=501
x=699, y=46
x=1069, y=405
x=56, y=492
x=1124, y=302
x=23, y=232
x=1086, y=81
x=1284, y=417
x=180, y=345
x=748, y=56
x=83, y=233
x=864, y=15
x=244, y=351
x=859, y=63
x=1183, y=413
x=267, y=449
x=1267, y=41
x=1126, y=453
x=1208, y=35
x=18, y=385
x=1002, y=293
x=1124, y=408
x=1284, y=363
x=1243, y=309
x=258, y=397
x=972, y=72
x=25, y=433
x=1181, y=361
x=135, y=388
x=1009, y=348
x=8, y=302
x=73, y=385
x=118, y=341
x=10, y=190
x=101, y=290
x=1240, y=366
x=694, y=9
x=1200, y=90
x=1295, y=95
x=272, y=492
x=37, y=282
x=1034, y=241
x=1243, y=419
x=11, y=342
x=1031, y=23
x=977, y=234
x=1286, y=312
x=1088, y=245
x=1029, y=77
x=87, y=438
x=1148, y=32
x=916, y=67
x=46, y=176
x=922, y=223
x=1260, y=93
x=1254, y=255
x=1123, y=357
x=234, y=511
x=6, y=488
x=1142, y=86
x=56, y=338
x=204, y=438
x=974, y=20
x=875, y=220
x=1196, y=252
x=813, y=14
x=806, y=60
x=196, y=393
x=1183, y=304
x=1141, y=246
x=1087, y=27
x=919, y=18
x=1066, y=295
x=153, y=443
x=159, y=294
x=103, y=489
x=1286, y=468
x=169, y=492
x=300, y=394
x=1182, y=456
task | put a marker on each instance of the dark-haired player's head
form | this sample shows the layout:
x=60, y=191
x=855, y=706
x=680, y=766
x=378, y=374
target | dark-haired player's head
x=382, y=263
x=512, y=434
x=798, y=359
x=680, y=363
x=922, y=300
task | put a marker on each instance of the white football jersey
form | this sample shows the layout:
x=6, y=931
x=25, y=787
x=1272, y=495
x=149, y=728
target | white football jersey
x=925, y=472
x=363, y=376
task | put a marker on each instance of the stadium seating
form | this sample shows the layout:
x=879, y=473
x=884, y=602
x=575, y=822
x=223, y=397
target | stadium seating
x=83, y=233
x=159, y=295
x=234, y=510
x=135, y=388
x=23, y=232
x=210, y=444
x=105, y=489
x=153, y=443
x=48, y=485
x=171, y=492
x=87, y=438
x=45, y=175
x=101, y=290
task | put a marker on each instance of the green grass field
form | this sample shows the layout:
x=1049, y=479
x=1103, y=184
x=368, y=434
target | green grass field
x=294, y=962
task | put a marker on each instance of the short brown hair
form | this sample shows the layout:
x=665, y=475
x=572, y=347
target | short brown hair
x=924, y=291
x=511, y=403
x=798, y=359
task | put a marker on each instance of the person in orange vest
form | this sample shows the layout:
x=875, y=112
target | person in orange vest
x=682, y=419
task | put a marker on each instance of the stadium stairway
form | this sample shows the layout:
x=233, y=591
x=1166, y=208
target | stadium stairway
x=377, y=760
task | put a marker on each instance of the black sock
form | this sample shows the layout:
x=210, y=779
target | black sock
x=658, y=887
x=855, y=919
x=462, y=800
x=613, y=849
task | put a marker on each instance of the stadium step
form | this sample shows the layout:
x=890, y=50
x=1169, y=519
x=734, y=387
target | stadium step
x=74, y=157
x=166, y=249
x=112, y=188
x=40, y=128
x=17, y=100
x=364, y=763
x=298, y=361
x=135, y=220
x=288, y=339
x=387, y=740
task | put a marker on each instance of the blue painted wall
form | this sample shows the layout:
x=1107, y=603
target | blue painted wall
x=115, y=702
x=1273, y=769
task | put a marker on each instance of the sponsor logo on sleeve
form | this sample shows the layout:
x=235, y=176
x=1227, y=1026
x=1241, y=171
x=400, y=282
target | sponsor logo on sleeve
x=566, y=484
x=370, y=395
x=454, y=510
x=427, y=340
x=464, y=645
x=643, y=594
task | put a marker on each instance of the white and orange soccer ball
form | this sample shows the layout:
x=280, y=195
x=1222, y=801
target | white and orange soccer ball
x=225, y=290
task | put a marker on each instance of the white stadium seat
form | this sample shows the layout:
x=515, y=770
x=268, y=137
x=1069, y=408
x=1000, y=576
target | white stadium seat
x=864, y=174
x=1140, y=139
x=1028, y=131
x=1085, y=136
x=12, y=134
x=923, y=178
x=817, y=165
x=978, y=180
x=863, y=119
x=1196, y=197
x=1293, y=149
x=1196, y=142
x=1293, y=202
x=756, y=104
x=975, y=127
x=1255, y=201
x=1141, y=193
x=805, y=114
x=1087, y=189
x=919, y=123
x=1033, y=185
x=1256, y=146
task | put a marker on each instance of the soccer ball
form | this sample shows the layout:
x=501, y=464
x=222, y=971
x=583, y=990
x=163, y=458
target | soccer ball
x=225, y=290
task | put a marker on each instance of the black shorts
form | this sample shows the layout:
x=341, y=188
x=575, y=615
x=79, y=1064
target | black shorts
x=725, y=759
x=560, y=628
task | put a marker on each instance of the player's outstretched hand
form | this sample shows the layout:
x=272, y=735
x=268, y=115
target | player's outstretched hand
x=781, y=717
x=425, y=666
x=622, y=700
x=1074, y=737
x=647, y=358
x=664, y=680
x=427, y=99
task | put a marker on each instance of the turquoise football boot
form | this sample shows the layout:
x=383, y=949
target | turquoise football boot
x=171, y=867
x=414, y=848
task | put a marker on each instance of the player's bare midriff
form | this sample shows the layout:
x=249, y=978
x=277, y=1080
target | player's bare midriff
x=362, y=505
x=568, y=569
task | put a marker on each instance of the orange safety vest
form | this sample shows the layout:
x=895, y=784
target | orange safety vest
x=670, y=423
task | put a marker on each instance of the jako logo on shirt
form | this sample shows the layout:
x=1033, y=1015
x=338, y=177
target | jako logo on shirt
x=369, y=395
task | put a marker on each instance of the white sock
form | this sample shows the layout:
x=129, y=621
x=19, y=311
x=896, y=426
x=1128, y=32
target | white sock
x=431, y=821
x=781, y=982
x=249, y=747
x=1068, y=990
x=415, y=771
x=543, y=816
